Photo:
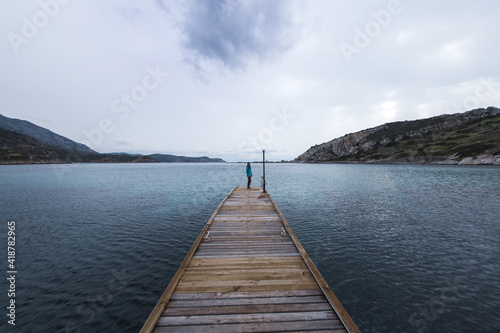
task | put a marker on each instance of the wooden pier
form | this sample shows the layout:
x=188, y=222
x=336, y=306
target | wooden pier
x=247, y=272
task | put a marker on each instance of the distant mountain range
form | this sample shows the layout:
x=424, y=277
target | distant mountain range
x=472, y=137
x=173, y=158
x=22, y=142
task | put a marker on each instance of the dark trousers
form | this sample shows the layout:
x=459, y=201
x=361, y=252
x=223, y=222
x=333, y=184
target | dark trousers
x=249, y=180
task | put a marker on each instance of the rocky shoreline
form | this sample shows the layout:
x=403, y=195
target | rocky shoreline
x=470, y=138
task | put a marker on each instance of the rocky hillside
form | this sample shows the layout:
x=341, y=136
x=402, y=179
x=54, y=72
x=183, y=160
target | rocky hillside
x=472, y=137
x=20, y=148
x=22, y=142
x=16, y=148
x=43, y=135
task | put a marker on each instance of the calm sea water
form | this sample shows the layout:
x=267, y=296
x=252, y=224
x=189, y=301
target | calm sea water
x=405, y=248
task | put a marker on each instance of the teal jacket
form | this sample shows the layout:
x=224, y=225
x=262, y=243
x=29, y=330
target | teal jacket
x=249, y=171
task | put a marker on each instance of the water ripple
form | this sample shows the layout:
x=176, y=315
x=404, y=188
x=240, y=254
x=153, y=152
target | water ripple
x=405, y=248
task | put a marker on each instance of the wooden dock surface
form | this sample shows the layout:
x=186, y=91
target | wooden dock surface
x=247, y=272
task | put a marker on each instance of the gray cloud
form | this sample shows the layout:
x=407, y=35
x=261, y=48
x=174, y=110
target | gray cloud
x=234, y=33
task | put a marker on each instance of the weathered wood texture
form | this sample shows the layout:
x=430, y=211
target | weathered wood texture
x=249, y=276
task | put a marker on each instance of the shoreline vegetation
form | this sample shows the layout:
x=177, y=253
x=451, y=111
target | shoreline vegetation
x=469, y=138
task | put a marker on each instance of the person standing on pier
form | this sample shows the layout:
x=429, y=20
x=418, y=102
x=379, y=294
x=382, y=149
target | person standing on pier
x=249, y=174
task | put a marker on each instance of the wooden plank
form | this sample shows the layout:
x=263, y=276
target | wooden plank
x=290, y=326
x=228, y=243
x=247, y=218
x=231, y=243
x=249, y=260
x=254, y=265
x=242, y=282
x=236, y=255
x=228, y=249
x=273, y=293
x=244, y=301
x=250, y=233
x=247, y=204
x=253, y=308
x=243, y=207
x=242, y=237
x=253, y=213
x=271, y=252
x=186, y=288
x=246, y=318
x=247, y=222
x=278, y=247
x=247, y=242
x=276, y=252
x=246, y=227
x=222, y=269
x=253, y=277
x=245, y=272
x=253, y=251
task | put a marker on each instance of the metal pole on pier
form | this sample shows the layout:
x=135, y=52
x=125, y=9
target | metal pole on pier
x=264, y=168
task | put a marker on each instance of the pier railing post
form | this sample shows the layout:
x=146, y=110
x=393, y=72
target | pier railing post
x=264, y=168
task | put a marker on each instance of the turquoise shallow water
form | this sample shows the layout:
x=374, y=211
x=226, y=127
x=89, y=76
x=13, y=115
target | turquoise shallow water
x=405, y=248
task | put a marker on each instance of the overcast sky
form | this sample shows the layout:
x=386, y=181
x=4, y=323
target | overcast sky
x=226, y=78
